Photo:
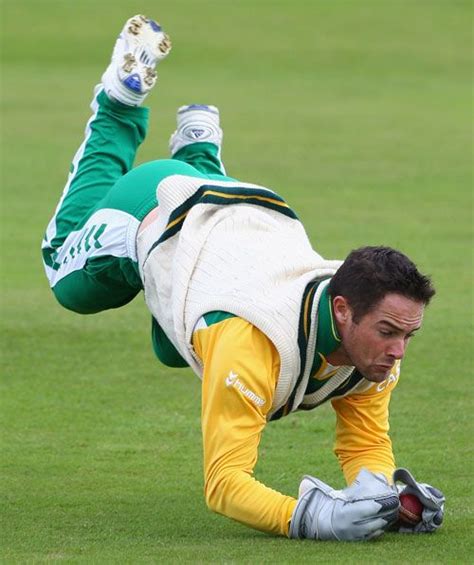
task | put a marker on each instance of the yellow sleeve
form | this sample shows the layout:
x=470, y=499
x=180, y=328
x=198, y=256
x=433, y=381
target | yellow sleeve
x=362, y=427
x=241, y=368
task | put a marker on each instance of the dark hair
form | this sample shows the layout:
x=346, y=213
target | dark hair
x=369, y=273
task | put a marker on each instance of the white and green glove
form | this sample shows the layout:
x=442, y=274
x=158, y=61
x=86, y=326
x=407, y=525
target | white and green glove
x=361, y=511
x=430, y=497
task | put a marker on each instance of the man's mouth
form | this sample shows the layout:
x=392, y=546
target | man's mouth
x=385, y=367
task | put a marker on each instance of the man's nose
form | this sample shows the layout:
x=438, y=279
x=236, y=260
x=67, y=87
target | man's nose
x=397, y=349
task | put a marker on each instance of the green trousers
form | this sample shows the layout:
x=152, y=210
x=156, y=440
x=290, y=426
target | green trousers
x=89, y=249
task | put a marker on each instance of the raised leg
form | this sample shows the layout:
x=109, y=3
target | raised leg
x=87, y=249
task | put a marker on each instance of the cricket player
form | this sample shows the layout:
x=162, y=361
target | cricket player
x=237, y=293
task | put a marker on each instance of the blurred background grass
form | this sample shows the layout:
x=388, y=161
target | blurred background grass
x=359, y=114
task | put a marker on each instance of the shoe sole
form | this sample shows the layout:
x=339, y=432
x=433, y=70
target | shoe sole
x=146, y=45
x=140, y=35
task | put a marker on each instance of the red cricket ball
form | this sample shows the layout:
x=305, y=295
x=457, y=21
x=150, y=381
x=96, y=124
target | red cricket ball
x=410, y=509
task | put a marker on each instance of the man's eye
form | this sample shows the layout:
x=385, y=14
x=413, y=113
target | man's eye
x=386, y=333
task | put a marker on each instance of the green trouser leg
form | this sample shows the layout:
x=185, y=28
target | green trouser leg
x=82, y=263
x=113, y=135
x=205, y=158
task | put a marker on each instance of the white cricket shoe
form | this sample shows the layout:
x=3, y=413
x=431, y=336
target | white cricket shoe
x=196, y=123
x=131, y=73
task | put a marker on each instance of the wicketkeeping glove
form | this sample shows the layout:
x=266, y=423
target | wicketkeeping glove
x=431, y=498
x=359, y=512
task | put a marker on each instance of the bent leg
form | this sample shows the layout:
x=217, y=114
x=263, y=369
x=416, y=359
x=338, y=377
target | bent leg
x=97, y=264
x=82, y=238
x=112, y=137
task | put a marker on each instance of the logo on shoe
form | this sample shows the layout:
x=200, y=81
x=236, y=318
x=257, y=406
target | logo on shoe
x=133, y=82
x=233, y=381
x=197, y=133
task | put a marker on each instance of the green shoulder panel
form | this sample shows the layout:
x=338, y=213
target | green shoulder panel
x=217, y=316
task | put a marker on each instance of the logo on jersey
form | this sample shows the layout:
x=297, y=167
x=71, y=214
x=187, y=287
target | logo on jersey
x=393, y=377
x=230, y=380
x=233, y=381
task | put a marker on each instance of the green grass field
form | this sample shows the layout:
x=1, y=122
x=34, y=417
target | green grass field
x=358, y=113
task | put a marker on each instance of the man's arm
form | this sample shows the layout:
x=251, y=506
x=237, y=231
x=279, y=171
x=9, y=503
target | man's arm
x=241, y=367
x=362, y=427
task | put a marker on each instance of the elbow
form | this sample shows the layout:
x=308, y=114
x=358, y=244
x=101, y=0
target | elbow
x=209, y=498
x=211, y=504
x=213, y=495
x=219, y=491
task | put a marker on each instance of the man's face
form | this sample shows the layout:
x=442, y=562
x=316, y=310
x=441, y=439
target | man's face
x=379, y=338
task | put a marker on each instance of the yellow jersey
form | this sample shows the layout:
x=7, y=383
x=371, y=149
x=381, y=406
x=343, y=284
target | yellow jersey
x=240, y=373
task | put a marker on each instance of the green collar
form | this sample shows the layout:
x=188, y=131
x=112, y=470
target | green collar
x=328, y=339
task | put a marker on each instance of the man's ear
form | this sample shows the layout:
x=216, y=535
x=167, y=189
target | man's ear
x=342, y=310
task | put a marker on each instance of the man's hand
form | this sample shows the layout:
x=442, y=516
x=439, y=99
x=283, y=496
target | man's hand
x=431, y=498
x=359, y=512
